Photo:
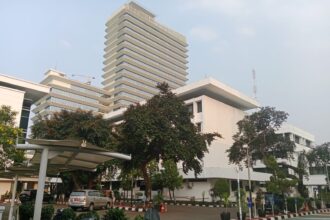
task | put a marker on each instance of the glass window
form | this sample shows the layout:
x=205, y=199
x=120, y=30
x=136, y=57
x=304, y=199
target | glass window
x=190, y=108
x=199, y=106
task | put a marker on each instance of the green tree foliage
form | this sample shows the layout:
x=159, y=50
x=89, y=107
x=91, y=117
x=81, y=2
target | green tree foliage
x=77, y=125
x=256, y=133
x=301, y=171
x=320, y=155
x=169, y=177
x=162, y=129
x=221, y=189
x=279, y=183
x=8, y=135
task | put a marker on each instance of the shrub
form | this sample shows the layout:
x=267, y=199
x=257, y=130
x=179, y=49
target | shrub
x=139, y=217
x=291, y=203
x=47, y=212
x=261, y=213
x=91, y=214
x=115, y=214
x=26, y=211
x=66, y=214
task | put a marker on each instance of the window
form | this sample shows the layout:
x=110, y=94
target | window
x=190, y=108
x=199, y=126
x=199, y=106
x=297, y=139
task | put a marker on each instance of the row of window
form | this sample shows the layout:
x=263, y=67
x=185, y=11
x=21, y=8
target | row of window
x=159, y=73
x=152, y=63
x=75, y=96
x=73, y=104
x=148, y=47
x=153, y=57
x=130, y=88
x=138, y=98
x=151, y=74
x=151, y=43
x=88, y=91
x=127, y=73
x=199, y=107
x=140, y=25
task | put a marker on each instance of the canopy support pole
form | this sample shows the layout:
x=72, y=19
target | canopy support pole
x=41, y=184
x=13, y=195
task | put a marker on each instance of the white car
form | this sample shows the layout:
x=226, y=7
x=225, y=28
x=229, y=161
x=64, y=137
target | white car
x=88, y=199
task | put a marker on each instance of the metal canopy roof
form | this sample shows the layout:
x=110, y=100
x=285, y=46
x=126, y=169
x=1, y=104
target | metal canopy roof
x=67, y=154
x=71, y=154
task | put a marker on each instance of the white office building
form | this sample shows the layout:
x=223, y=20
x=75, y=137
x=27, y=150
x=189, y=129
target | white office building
x=139, y=53
x=69, y=94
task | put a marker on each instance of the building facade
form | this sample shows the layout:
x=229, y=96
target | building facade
x=216, y=107
x=139, y=54
x=20, y=96
x=70, y=95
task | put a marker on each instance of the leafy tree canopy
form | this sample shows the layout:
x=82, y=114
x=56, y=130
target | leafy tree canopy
x=279, y=183
x=8, y=135
x=162, y=129
x=77, y=125
x=222, y=189
x=257, y=134
x=320, y=155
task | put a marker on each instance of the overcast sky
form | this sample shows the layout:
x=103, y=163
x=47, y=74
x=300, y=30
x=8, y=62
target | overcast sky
x=287, y=42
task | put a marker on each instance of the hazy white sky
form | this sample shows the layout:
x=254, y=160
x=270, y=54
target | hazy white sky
x=287, y=42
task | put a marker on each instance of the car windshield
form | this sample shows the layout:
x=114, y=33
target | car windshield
x=78, y=193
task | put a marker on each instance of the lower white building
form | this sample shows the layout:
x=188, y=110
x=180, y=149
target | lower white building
x=216, y=107
x=19, y=95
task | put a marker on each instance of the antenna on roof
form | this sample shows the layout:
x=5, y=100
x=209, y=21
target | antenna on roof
x=87, y=77
x=254, y=84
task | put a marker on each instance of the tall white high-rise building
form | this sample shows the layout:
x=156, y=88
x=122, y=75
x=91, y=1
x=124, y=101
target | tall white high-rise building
x=139, y=53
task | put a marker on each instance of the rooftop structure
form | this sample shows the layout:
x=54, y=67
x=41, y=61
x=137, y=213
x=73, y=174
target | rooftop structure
x=140, y=53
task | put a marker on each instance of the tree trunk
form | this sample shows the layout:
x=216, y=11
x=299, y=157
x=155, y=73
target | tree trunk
x=174, y=196
x=76, y=183
x=169, y=191
x=147, y=181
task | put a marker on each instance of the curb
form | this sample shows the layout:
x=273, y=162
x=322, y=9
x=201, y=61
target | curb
x=280, y=217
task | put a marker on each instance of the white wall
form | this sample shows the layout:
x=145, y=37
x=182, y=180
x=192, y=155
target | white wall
x=14, y=98
x=221, y=118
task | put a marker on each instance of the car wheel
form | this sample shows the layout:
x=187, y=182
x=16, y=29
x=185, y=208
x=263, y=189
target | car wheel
x=107, y=206
x=91, y=207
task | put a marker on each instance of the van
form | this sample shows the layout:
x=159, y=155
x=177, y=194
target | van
x=88, y=199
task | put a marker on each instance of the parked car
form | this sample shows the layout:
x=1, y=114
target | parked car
x=29, y=195
x=88, y=199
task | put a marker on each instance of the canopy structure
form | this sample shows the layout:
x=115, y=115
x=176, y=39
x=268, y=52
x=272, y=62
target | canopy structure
x=64, y=155
x=21, y=171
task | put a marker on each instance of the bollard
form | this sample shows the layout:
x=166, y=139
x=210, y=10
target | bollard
x=2, y=209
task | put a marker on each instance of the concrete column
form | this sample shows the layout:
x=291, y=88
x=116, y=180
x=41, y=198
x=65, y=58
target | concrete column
x=13, y=195
x=41, y=184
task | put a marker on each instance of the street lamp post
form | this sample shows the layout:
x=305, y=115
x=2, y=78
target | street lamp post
x=239, y=194
x=249, y=178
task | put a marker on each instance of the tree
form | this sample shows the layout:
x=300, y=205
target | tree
x=8, y=135
x=257, y=135
x=162, y=129
x=167, y=177
x=221, y=189
x=79, y=125
x=320, y=157
x=279, y=183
